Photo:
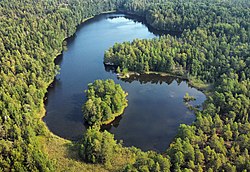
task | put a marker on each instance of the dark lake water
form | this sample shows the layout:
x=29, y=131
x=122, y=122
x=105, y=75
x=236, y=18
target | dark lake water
x=156, y=107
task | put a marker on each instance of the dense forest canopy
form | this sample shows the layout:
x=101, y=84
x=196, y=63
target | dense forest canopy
x=213, y=48
x=105, y=101
x=31, y=36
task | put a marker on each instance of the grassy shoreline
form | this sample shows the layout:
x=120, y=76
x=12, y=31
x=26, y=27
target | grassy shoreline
x=42, y=111
x=60, y=150
x=198, y=84
x=115, y=115
x=57, y=148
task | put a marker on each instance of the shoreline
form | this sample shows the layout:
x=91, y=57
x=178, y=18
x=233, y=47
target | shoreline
x=150, y=26
x=42, y=111
x=49, y=137
x=197, y=84
x=116, y=114
x=60, y=155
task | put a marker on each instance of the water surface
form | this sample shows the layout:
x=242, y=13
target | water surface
x=156, y=107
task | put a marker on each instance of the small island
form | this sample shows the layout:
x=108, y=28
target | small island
x=187, y=98
x=105, y=101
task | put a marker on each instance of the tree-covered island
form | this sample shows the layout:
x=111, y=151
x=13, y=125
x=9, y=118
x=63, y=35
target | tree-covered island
x=105, y=101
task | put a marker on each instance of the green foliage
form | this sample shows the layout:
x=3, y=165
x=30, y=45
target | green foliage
x=191, y=55
x=178, y=15
x=149, y=161
x=97, y=147
x=31, y=36
x=118, y=70
x=188, y=98
x=106, y=100
x=100, y=147
x=213, y=47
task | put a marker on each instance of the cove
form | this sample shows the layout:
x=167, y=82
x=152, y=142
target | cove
x=155, y=104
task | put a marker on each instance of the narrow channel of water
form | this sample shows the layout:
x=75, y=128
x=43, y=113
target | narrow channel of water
x=156, y=107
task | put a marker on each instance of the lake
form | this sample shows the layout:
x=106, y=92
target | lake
x=155, y=104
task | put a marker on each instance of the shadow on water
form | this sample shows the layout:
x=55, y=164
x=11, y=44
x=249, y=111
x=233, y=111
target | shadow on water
x=156, y=107
x=146, y=78
x=156, y=32
x=115, y=124
x=132, y=17
x=58, y=60
x=151, y=78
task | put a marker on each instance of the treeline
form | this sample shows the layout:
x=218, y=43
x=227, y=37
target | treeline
x=31, y=36
x=213, y=48
x=217, y=36
x=206, y=50
x=101, y=147
x=178, y=15
x=199, y=53
x=105, y=101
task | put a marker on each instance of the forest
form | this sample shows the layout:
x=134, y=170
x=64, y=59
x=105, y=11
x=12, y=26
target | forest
x=31, y=36
x=213, y=49
x=106, y=100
